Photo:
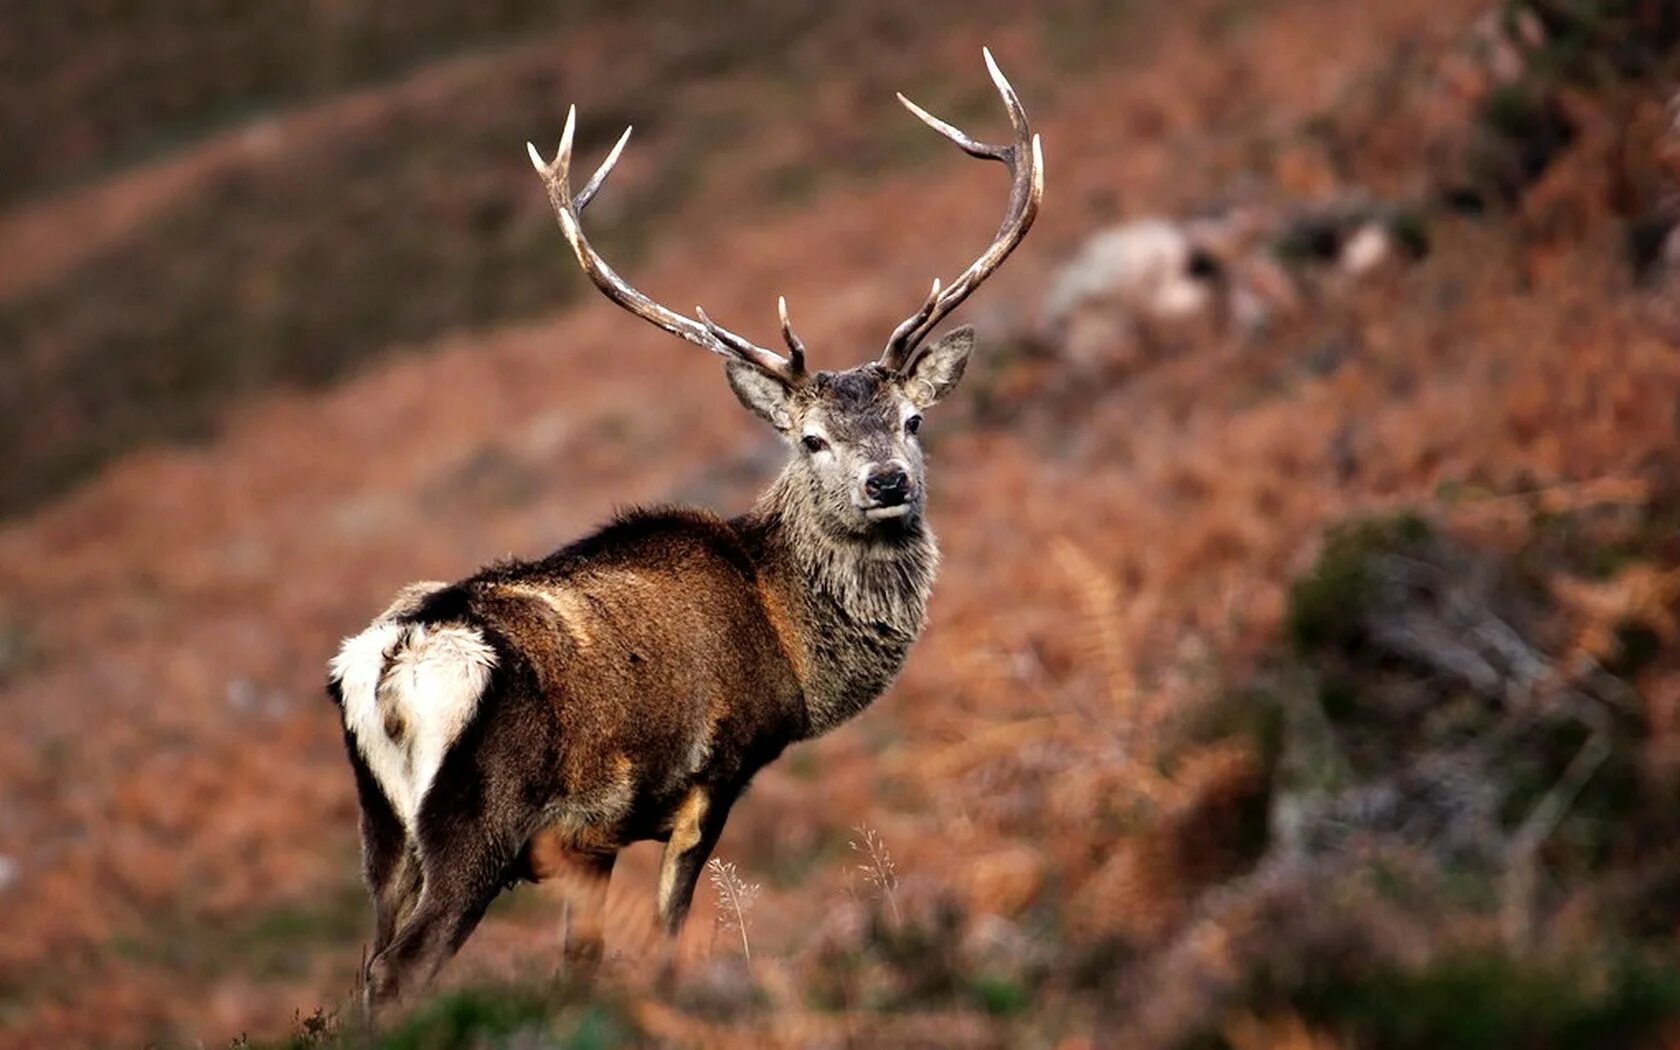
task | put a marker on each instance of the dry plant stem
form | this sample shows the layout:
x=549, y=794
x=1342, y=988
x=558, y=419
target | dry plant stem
x=1520, y=867
x=736, y=897
x=879, y=868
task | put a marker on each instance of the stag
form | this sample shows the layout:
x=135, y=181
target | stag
x=532, y=720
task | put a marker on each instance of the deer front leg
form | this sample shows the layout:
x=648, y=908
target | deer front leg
x=694, y=831
x=581, y=878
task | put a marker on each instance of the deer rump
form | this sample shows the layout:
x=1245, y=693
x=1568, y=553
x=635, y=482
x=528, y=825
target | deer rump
x=584, y=694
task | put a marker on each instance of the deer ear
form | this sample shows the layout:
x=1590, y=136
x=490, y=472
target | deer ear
x=765, y=396
x=937, y=369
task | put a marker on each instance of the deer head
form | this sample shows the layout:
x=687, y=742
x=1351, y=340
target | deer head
x=853, y=433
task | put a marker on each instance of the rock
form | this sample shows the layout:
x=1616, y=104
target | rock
x=1147, y=268
x=1368, y=248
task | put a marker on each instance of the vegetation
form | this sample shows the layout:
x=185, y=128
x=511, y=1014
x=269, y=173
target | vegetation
x=290, y=269
x=1481, y=1000
x=110, y=82
x=553, y=1017
x=1304, y=685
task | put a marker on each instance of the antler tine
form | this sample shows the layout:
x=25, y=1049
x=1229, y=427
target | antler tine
x=568, y=207
x=967, y=144
x=767, y=360
x=796, y=347
x=593, y=186
x=911, y=323
x=1025, y=160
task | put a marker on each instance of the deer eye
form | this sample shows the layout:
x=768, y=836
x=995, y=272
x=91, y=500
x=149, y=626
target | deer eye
x=813, y=443
x=913, y=425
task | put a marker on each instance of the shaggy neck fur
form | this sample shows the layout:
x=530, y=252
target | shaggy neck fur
x=860, y=598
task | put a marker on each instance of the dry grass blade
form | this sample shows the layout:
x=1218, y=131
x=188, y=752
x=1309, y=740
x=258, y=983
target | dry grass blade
x=735, y=899
x=877, y=867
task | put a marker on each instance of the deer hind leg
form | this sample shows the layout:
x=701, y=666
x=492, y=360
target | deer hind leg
x=463, y=866
x=388, y=864
x=464, y=843
x=394, y=900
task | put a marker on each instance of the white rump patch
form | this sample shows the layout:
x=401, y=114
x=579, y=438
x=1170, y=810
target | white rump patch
x=409, y=690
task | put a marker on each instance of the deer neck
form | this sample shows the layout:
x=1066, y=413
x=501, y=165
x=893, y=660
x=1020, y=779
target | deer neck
x=857, y=601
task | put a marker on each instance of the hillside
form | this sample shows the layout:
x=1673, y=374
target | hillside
x=1189, y=756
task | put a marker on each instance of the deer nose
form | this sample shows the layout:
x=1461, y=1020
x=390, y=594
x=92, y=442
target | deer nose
x=887, y=485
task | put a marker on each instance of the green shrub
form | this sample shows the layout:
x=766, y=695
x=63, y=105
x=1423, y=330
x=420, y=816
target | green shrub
x=1326, y=603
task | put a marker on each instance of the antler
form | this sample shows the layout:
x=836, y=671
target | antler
x=704, y=333
x=1025, y=160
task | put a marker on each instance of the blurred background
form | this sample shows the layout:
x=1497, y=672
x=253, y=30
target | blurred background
x=1303, y=670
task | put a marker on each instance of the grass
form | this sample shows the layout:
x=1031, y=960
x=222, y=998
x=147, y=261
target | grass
x=1469, y=1001
x=281, y=941
x=295, y=271
x=232, y=293
x=167, y=76
x=551, y=1016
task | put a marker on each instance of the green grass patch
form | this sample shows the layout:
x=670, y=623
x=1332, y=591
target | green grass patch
x=562, y=1017
x=999, y=995
x=1469, y=1002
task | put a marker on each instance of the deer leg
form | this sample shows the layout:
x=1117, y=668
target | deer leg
x=393, y=877
x=694, y=832
x=461, y=874
x=394, y=897
x=581, y=877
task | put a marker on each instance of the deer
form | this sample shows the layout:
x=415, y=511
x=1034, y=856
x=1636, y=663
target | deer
x=530, y=721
